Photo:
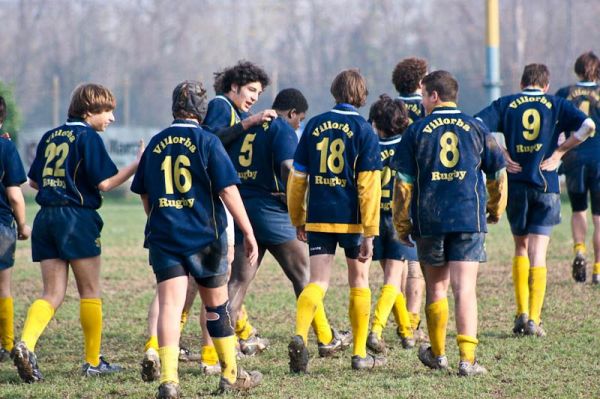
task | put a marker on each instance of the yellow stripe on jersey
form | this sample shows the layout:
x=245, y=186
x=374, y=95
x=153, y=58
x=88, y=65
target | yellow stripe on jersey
x=296, y=197
x=369, y=197
x=335, y=228
x=401, y=207
x=498, y=194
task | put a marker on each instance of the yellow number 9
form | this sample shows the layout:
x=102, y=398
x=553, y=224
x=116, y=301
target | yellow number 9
x=531, y=123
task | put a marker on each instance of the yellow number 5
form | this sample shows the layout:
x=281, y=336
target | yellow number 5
x=245, y=157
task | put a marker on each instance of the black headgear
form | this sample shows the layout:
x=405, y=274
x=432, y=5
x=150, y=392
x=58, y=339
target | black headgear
x=190, y=97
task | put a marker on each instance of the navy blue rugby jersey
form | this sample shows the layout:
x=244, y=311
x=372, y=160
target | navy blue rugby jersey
x=222, y=113
x=586, y=97
x=257, y=156
x=414, y=105
x=444, y=154
x=70, y=161
x=13, y=174
x=388, y=148
x=531, y=122
x=334, y=148
x=183, y=170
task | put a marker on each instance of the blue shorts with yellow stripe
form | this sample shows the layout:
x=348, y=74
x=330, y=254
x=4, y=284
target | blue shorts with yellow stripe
x=66, y=232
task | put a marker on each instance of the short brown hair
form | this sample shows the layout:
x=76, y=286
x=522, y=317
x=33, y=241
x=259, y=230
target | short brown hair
x=587, y=66
x=390, y=116
x=443, y=83
x=535, y=75
x=408, y=73
x=91, y=98
x=349, y=87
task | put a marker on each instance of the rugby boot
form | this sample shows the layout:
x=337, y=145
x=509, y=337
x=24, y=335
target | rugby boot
x=210, y=369
x=375, y=343
x=368, y=362
x=520, y=323
x=340, y=341
x=408, y=342
x=427, y=357
x=253, y=345
x=168, y=390
x=150, y=366
x=466, y=369
x=102, y=368
x=578, y=268
x=245, y=380
x=534, y=329
x=298, y=355
x=26, y=363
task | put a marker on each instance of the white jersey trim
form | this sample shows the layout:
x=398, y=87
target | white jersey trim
x=75, y=124
x=183, y=125
x=395, y=141
x=447, y=111
x=337, y=111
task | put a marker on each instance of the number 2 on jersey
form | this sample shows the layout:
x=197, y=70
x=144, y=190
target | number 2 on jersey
x=177, y=172
x=52, y=151
x=332, y=156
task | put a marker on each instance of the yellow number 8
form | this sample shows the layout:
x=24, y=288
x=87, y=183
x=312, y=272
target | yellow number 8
x=449, y=144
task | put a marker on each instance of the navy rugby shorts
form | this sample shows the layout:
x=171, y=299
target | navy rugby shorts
x=387, y=246
x=531, y=211
x=437, y=250
x=8, y=245
x=270, y=221
x=581, y=180
x=326, y=243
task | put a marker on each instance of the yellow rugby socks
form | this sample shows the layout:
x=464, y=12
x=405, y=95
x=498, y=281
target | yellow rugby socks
x=307, y=305
x=243, y=328
x=225, y=348
x=596, y=269
x=359, y=310
x=437, y=321
x=537, y=291
x=321, y=326
x=209, y=355
x=466, y=347
x=7, y=323
x=90, y=315
x=383, y=308
x=520, y=275
x=169, y=362
x=39, y=315
x=183, y=320
x=579, y=248
x=415, y=319
x=151, y=343
x=402, y=317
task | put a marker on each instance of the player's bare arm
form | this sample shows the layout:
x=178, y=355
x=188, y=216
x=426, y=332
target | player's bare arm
x=17, y=203
x=124, y=174
x=231, y=197
x=587, y=128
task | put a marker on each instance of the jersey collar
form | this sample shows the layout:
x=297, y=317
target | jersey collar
x=184, y=123
x=410, y=97
x=76, y=122
x=345, y=109
x=390, y=140
x=587, y=84
x=447, y=107
x=535, y=91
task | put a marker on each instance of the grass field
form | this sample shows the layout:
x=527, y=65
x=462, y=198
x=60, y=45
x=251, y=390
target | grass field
x=565, y=364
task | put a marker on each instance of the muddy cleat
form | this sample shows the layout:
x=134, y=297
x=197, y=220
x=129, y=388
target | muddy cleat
x=420, y=336
x=210, y=369
x=4, y=355
x=102, y=368
x=253, y=345
x=578, y=268
x=26, y=363
x=298, y=355
x=520, y=323
x=408, y=342
x=168, y=390
x=375, y=343
x=533, y=329
x=368, y=362
x=466, y=369
x=340, y=341
x=245, y=380
x=150, y=366
x=427, y=357
x=595, y=279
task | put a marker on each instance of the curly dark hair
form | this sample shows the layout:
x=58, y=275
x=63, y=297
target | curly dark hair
x=408, y=74
x=587, y=66
x=241, y=74
x=389, y=115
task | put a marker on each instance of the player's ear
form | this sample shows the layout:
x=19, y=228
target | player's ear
x=291, y=113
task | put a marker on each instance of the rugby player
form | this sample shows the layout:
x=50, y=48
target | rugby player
x=406, y=77
x=185, y=233
x=389, y=119
x=70, y=169
x=581, y=165
x=446, y=152
x=12, y=227
x=338, y=161
x=531, y=122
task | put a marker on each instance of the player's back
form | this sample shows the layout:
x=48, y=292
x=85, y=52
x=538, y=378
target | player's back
x=531, y=121
x=586, y=97
x=334, y=148
x=414, y=106
x=182, y=171
x=12, y=174
x=257, y=156
x=387, y=149
x=446, y=152
x=71, y=160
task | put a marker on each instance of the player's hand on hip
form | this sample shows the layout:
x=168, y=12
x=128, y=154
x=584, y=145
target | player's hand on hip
x=552, y=162
x=301, y=233
x=366, y=249
x=251, y=248
x=23, y=232
x=511, y=166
